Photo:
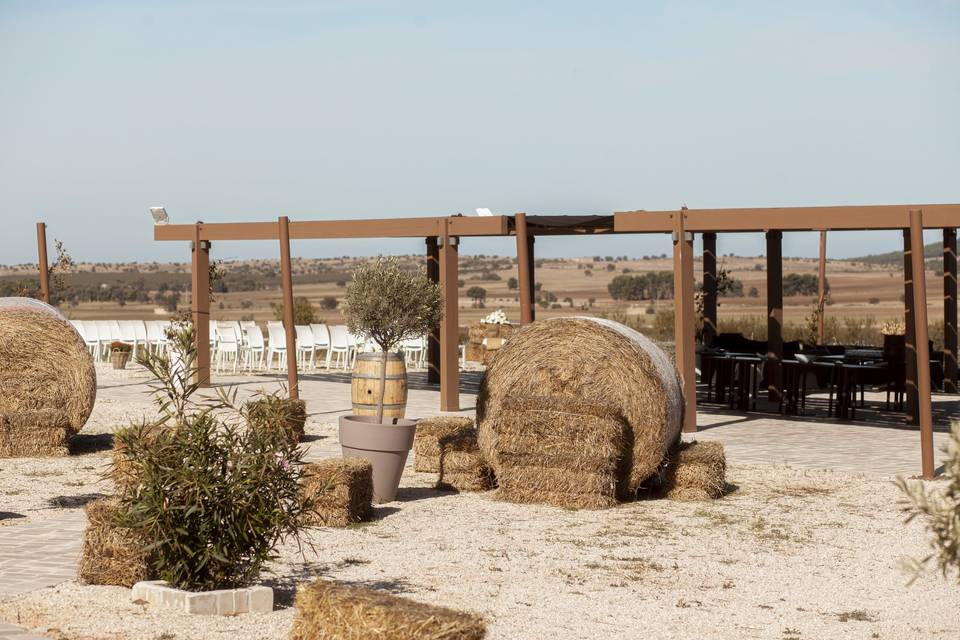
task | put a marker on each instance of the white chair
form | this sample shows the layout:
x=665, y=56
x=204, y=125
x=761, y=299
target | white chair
x=227, y=347
x=105, y=334
x=156, y=336
x=128, y=335
x=321, y=341
x=140, y=331
x=277, y=345
x=341, y=346
x=255, y=350
x=213, y=334
x=414, y=349
x=304, y=345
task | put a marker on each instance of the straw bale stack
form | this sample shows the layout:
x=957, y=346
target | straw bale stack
x=111, y=555
x=342, y=489
x=426, y=442
x=577, y=411
x=35, y=433
x=328, y=609
x=448, y=445
x=696, y=471
x=44, y=364
x=484, y=341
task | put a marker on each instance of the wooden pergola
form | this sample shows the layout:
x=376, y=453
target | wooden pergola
x=442, y=236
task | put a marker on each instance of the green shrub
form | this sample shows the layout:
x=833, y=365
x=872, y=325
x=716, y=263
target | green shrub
x=282, y=416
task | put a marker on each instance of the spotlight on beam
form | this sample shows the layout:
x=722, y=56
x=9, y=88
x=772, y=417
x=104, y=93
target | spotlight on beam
x=483, y=212
x=159, y=215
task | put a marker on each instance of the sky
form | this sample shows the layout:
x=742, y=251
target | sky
x=236, y=111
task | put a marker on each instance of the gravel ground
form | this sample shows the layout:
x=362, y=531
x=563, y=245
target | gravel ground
x=789, y=554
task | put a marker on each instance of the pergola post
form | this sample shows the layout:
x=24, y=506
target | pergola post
x=524, y=268
x=709, y=288
x=684, y=319
x=450, y=325
x=774, y=315
x=44, y=265
x=200, y=304
x=921, y=340
x=286, y=280
x=909, y=338
x=822, y=288
x=433, y=340
x=950, y=311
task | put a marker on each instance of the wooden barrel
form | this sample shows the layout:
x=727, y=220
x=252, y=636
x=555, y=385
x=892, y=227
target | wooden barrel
x=366, y=385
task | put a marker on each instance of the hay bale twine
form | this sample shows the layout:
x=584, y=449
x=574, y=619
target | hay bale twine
x=44, y=363
x=567, y=362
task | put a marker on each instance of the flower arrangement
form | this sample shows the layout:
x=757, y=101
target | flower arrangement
x=120, y=347
x=893, y=328
x=495, y=317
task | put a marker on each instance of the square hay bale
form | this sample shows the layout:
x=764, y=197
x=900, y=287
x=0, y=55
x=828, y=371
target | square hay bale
x=35, y=433
x=328, y=609
x=561, y=452
x=111, y=555
x=464, y=471
x=476, y=333
x=342, y=489
x=696, y=471
x=474, y=352
x=284, y=416
x=455, y=430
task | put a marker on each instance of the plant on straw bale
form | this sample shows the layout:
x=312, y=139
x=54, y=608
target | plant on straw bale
x=341, y=490
x=44, y=364
x=112, y=554
x=695, y=471
x=582, y=398
x=211, y=498
x=940, y=508
x=274, y=411
x=389, y=304
x=330, y=610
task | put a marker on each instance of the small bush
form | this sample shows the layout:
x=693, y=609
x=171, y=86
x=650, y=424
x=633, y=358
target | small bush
x=284, y=417
x=874, y=300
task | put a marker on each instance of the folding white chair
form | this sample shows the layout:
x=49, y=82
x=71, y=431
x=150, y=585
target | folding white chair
x=414, y=350
x=140, y=331
x=128, y=335
x=156, y=336
x=255, y=348
x=105, y=334
x=304, y=345
x=277, y=346
x=321, y=341
x=341, y=346
x=227, y=347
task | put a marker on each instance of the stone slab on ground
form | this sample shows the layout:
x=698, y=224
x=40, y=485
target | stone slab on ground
x=224, y=602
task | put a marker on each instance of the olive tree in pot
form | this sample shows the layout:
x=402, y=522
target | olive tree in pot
x=388, y=304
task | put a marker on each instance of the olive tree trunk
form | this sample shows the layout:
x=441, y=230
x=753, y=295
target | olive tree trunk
x=383, y=386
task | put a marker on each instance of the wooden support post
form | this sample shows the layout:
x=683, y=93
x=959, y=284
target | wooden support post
x=921, y=340
x=822, y=288
x=286, y=280
x=950, y=311
x=200, y=305
x=450, y=325
x=524, y=268
x=433, y=340
x=909, y=318
x=709, y=288
x=684, y=319
x=774, y=315
x=44, y=265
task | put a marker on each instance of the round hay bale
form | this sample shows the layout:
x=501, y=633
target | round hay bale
x=565, y=362
x=44, y=363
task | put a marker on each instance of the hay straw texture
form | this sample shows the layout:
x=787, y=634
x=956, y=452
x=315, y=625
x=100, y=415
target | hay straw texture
x=41, y=433
x=44, y=364
x=426, y=442
x=561, y=364
x=328, y=610
x=696, y=471
x=447, y=445
x=111, y=555
x=342, y=489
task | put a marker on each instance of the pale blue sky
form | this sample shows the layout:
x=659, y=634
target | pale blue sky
x=244, y=111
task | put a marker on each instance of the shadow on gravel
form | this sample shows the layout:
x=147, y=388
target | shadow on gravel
x=94, y=443
x=74, y=502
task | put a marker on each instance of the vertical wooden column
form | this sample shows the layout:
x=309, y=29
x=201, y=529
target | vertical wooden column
x=200, y=304
x=286, y=280
x=822, y=287
x=433, y=340
x=909, y=319
x=921, y=340
x=43, y=263
x=450, y=325
x=684, y=319
x=774, y=315
x=524, y=268
x=950, y=311
x=709, y=288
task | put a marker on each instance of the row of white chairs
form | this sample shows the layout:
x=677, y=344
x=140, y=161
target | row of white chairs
x=138, y=334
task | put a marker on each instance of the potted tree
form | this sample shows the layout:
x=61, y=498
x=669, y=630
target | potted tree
x=388, y=304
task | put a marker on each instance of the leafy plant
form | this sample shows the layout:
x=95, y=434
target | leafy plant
x=941, y=509
x=211, y=497
x=120, y=347
x=389, y=304
x=303, y=310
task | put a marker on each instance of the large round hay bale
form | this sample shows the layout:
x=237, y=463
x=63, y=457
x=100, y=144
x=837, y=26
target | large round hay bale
x=530, y=416
x=44, y=363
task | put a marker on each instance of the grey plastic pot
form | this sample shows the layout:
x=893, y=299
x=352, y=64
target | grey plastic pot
x=385, y=444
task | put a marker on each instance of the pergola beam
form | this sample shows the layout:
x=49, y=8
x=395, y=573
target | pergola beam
x=709, y=288
x=822, y=288
x=450, y=325
x=286, y=279
x=774, y=370
x=921, y=340
x=950, y=310
x=43, y=264
x=525, y=284
x=433, y=340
